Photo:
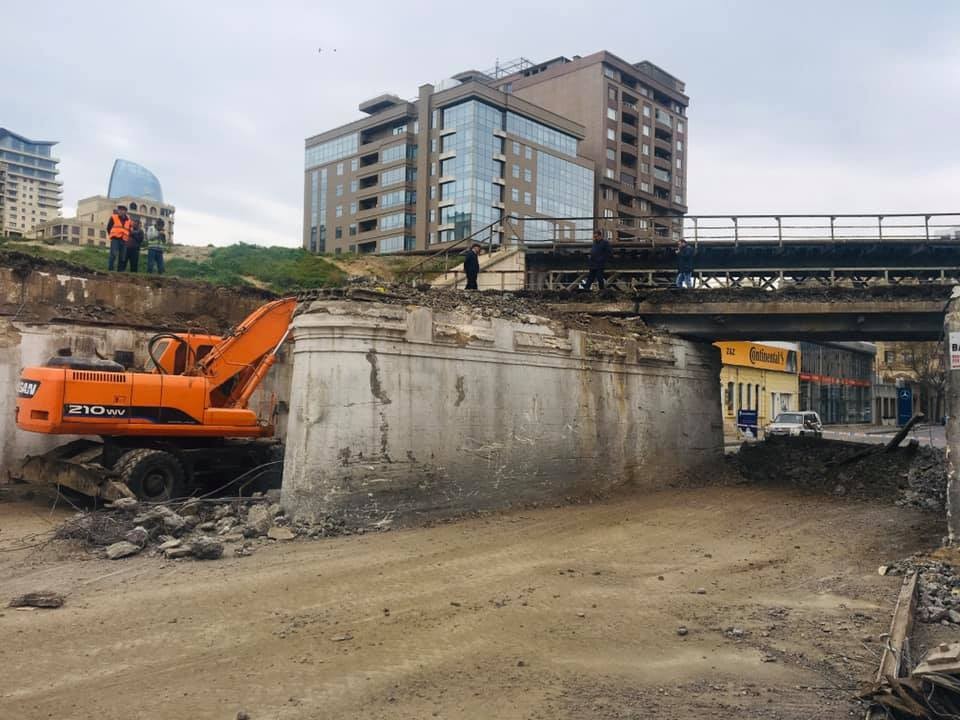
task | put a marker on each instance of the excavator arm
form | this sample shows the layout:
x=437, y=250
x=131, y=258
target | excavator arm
x=236, y=366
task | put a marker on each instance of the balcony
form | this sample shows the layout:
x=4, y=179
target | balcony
x=661, y=153
x=368, y=160
x=628, y=138
x=628, y=179
x=629, y=119
x=664, y=135
x=368, y=203
x=366, y=226
x=369, y=181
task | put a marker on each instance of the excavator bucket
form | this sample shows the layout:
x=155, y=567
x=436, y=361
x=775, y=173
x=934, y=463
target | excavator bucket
x=76, y=466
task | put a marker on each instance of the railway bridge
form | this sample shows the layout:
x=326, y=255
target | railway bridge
x=759, y=251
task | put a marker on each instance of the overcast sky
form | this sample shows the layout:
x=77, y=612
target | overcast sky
x=794, y=107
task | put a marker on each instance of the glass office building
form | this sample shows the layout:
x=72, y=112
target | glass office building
x=128, y=179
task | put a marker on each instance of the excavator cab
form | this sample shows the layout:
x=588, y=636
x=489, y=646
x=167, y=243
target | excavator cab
x=175, y=353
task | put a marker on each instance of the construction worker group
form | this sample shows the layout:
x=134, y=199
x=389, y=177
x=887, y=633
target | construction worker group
x=126, y=239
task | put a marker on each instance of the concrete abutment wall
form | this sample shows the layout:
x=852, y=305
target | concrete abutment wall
x=400, y=413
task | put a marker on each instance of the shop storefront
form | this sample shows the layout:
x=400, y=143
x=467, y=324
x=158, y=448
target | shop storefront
x=760, y=377
x=836, y=381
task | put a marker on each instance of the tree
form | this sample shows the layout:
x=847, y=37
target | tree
x=926, y=364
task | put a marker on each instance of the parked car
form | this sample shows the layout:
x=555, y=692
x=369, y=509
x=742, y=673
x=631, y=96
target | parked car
x=795, y=424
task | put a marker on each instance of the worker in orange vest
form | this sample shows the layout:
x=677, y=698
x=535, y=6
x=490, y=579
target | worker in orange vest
x=119, y=227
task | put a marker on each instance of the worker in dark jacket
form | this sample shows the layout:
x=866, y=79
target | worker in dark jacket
x=132, y=254
x=600, y=254
x=118, y=230
x=684, y=264
x=471, y=265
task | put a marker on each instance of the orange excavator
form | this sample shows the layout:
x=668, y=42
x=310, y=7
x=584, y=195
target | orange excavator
x=163, y=431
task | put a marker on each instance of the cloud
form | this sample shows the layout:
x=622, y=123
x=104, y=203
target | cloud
x=197, y=227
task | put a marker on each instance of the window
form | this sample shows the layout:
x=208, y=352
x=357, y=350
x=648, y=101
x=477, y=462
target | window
x=433, y=169
x=756, y=397
x=541, y=134
x=528, y=152
x=678, y=199
x=393, y=153
x=611, y=134
x=339, y=190
x=338, y=232
x=352, y=229
x=399, y=129
x=749, y=396
x=353, y=208
x=645, y=168
x=645, y=149
x=89, y=232
x=354, y=164
x=433, y=215
x=527, y=200
x=338, y=211
x=516, y=171
x=739, y=396
x=527, y=175
x=644, y=187
x=646, y=131
x=729, y=398
x=516, y=148
x=612, y=92
x=646, y=111
x=608, y=172
x=515, y=195
x=433, y=192
x=340, y=168
x=611, y=114
x=888, y=357
x=679, y=145
x=679, y=126
x=611, y=154
x=679, y=163
x=354, y=185
x=332, y=150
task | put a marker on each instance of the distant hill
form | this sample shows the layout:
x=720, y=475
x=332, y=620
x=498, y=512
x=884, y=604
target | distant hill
x=278, y=269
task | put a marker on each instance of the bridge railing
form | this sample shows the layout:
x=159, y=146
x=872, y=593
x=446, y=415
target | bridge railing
x=647, y=230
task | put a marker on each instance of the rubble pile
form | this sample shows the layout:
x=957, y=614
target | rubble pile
x=915, y=477
x=198, y=529
x=837, y=293
x=938, y=588
x=519, y=306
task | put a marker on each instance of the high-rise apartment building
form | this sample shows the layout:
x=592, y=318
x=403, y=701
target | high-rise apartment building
x=30, y=193
x=452, y=163
x=543, y=143
x=635, y=121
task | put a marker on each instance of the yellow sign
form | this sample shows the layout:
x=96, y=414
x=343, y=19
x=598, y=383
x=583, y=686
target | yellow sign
x=764, y=357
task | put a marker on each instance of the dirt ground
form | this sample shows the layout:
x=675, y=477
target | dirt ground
x=568, y=612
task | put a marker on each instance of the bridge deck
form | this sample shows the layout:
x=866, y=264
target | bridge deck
x=902, y=313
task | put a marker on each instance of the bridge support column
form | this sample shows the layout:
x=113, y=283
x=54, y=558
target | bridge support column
x=952, y=325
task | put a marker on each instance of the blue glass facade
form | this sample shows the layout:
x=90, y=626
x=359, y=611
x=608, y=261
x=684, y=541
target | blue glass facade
x=131, y=180
x=20, y=154
x=473, y=169
x=318, y=211
x=541, y=134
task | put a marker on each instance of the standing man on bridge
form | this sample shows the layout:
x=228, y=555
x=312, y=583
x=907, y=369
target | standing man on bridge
x=600, y=254
x=471, y=265
x=684, y=264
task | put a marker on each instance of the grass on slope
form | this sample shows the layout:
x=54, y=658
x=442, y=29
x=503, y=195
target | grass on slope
x=279, y=269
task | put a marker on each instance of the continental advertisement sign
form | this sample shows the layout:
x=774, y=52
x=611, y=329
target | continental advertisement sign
x=762, y=357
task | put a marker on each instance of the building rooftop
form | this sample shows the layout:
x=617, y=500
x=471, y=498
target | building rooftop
x=9, y=133
x=128, y=179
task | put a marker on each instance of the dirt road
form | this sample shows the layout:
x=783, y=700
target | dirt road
x=560, y=613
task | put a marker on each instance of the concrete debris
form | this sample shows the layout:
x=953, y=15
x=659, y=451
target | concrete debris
x=39, y=599
x=910, y=477
x=681, y=631
x=206, y=549
x=259, y=521
x=122, y=549
x=125, y=504
x=138, y=536
x=196, y=528
x=281, y=533
x=938, y=588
